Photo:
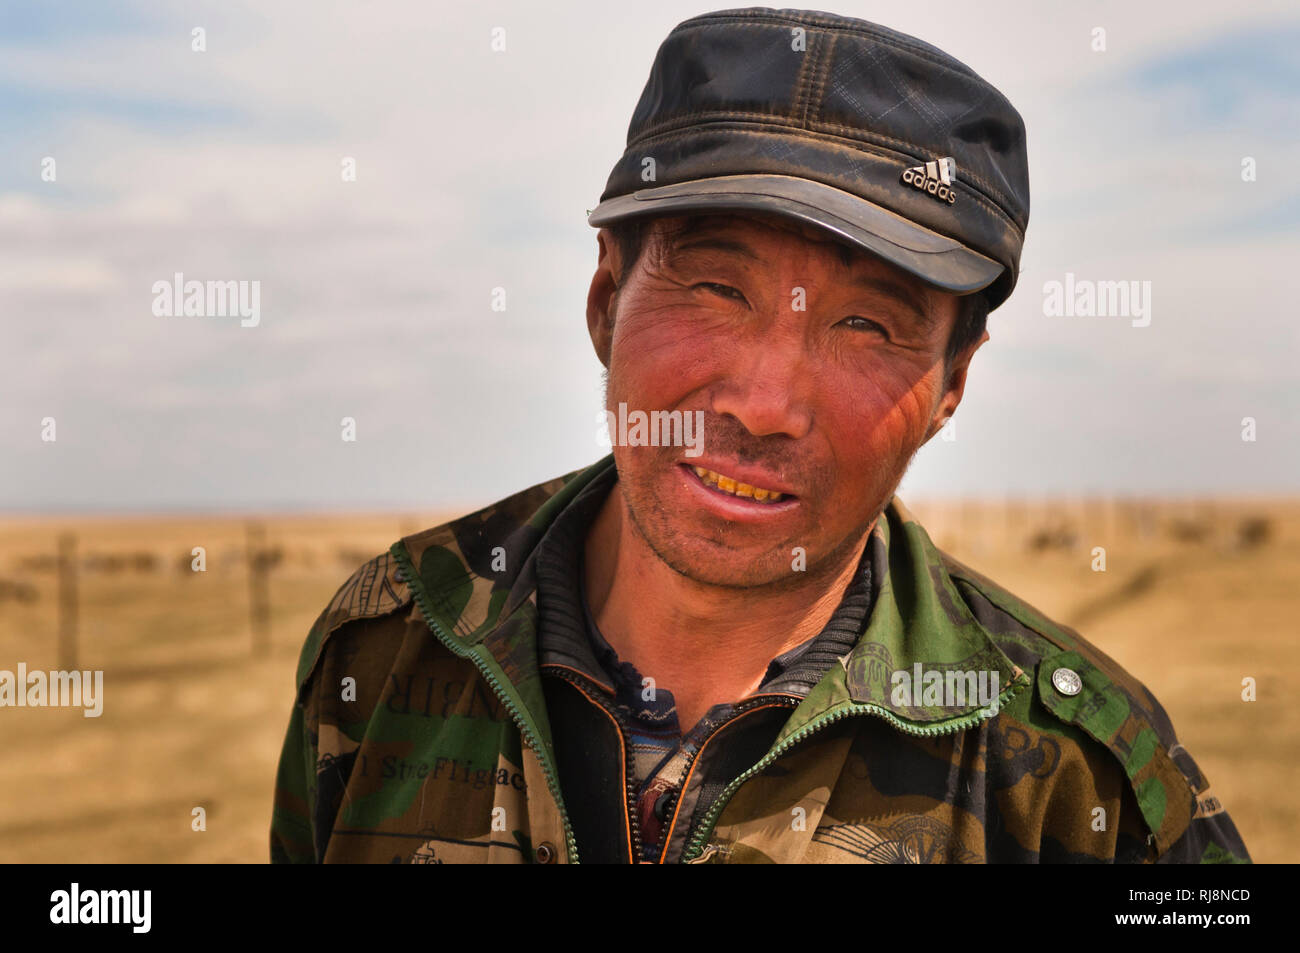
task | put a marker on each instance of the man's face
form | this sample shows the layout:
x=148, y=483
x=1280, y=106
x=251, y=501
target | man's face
x=819, y=371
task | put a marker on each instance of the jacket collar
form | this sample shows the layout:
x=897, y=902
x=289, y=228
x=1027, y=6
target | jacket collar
x=476, y=585
x=924, y=663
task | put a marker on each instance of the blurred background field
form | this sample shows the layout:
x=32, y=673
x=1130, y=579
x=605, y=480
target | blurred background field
x=1196, y=595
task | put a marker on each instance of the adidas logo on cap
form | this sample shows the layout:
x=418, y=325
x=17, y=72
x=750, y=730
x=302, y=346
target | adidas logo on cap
x=934, y=178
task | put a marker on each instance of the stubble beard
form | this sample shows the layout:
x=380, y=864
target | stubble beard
x=720, y=565
x=725, y=568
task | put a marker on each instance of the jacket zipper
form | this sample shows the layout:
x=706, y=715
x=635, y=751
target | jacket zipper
x=632, y=796
x=629, y=786
x=629, y=761
x=529, y=736
x=695, y=846
x=738, y=710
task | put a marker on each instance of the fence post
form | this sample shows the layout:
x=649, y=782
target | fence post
x=259, y=597
x=67, y=602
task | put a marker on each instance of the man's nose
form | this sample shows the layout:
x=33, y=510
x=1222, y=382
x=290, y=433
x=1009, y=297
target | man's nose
x=767, y=390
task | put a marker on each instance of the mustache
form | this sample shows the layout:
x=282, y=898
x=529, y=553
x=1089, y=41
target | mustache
x=725, y=436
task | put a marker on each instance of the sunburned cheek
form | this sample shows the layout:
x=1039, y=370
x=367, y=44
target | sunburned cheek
x=872, y=428
x=918, y=402
x=667, y=355
x=658, y=369
x=674, y=327
x=900, y=388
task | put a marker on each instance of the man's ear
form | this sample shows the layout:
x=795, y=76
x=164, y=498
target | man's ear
x=954, y=388
x=602, y=296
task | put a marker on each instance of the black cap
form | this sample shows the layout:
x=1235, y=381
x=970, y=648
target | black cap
x=874, y=135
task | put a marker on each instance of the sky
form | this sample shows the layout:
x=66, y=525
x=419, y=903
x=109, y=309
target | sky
x=474, y=170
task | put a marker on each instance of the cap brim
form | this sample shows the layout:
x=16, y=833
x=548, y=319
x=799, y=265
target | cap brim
x=936, y=259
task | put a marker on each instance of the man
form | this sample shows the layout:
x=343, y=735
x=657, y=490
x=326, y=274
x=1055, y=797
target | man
x=728, y=641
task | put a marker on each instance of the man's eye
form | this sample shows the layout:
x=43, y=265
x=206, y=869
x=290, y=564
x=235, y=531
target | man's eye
x=725, y=290
x=865, y=324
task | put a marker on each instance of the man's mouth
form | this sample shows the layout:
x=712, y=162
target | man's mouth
x=725, y=484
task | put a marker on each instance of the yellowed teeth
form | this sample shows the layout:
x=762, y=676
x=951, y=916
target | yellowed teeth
x=728, y=485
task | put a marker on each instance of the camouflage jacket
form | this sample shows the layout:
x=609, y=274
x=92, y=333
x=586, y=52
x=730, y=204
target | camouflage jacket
x=420, y=731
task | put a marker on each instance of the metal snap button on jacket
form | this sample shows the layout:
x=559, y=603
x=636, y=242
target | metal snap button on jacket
x=1067, y=681
x=546, y=853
